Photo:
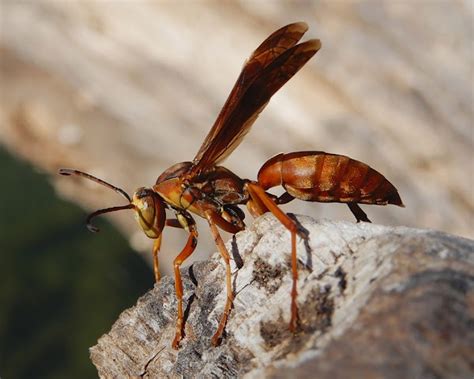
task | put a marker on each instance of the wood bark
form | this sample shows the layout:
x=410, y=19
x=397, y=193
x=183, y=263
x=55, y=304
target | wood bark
x=374, y=302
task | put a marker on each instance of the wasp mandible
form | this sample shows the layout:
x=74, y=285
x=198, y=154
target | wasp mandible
x=213, y=192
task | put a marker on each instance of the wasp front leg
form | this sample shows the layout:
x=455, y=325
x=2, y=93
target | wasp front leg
x=156, y=266
x=157, y=245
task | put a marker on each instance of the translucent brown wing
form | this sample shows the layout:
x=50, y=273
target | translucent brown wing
x=270, y=66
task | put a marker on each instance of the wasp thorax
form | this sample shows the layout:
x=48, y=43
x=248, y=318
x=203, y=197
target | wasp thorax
x=149, y=211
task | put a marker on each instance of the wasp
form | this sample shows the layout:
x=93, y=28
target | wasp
x=204, y=188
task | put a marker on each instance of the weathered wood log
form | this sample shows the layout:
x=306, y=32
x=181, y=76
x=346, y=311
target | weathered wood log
x=374, y=301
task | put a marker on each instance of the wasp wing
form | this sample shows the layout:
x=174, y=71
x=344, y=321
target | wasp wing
x=270, y=66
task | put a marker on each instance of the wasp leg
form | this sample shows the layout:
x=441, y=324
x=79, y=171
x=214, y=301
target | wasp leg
x=358, y=213
x=256, y=206
x=259, y=196
x=173, y=222
x=185, y=253
x=156, y=249
x=157, y=245
x=215, y=220
x=284, y=198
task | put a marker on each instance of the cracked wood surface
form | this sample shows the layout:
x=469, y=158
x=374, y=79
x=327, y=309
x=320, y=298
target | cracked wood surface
x=374, y=301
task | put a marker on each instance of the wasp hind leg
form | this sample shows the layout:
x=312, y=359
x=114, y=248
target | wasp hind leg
x=265, y=202
x=358, y=213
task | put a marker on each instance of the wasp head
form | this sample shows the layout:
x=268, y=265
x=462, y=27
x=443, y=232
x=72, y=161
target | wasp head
x=149, y=211
x=149, y=207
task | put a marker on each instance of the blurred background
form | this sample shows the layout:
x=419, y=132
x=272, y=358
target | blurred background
x=124, y=89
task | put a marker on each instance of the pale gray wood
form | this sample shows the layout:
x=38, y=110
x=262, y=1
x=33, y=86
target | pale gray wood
x=377, y=302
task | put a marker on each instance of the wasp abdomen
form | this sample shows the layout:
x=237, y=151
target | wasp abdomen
x=323, y=177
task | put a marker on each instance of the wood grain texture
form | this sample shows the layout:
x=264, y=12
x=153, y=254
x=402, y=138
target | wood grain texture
x=377, y=302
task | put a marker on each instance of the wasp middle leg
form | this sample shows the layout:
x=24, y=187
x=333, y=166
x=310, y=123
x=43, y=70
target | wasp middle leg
x=214, y=219
x=185, y=253
x=183, y=221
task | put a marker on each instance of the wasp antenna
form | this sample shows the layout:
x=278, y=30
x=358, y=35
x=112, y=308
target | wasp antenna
x=69, y=171
x=95, y=229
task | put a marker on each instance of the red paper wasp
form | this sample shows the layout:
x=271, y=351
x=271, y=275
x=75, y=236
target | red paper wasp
x=214, y=192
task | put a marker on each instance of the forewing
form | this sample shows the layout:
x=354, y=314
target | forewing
x=281, y=40
x=270, y=66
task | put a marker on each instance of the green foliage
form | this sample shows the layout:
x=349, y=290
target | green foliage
x=61, y=287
